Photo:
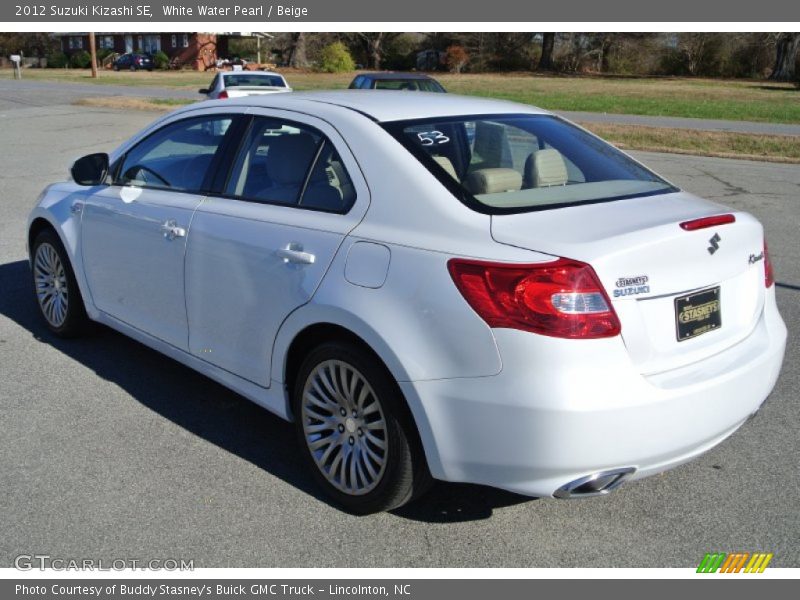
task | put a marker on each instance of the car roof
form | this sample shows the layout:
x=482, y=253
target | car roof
x=383, y=105
x=392, y=75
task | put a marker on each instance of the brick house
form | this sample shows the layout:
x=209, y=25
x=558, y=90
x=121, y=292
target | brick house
x=196, y=50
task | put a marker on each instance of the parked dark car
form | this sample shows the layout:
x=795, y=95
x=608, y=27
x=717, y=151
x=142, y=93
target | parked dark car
x=418, y=82
x=134, y=62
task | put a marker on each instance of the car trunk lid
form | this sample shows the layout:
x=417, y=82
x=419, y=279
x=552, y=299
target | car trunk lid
x=651, y=269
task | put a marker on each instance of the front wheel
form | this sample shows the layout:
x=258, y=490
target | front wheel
x=357, y=434
x=56, y=289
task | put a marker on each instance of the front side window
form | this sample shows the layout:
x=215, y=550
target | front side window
x=517, y=163
x=291, y=164
x=176, y=157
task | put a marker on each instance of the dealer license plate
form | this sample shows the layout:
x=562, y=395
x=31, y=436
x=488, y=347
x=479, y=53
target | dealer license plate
x=697, y=313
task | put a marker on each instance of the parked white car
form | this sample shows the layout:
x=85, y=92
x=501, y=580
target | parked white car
x=428, y=285
x=234, y=84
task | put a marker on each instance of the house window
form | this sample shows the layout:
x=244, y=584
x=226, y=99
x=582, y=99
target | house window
x=185, y=40
x=139, y=43
x=107, y=42
x=75, y=42
x=173, y=40
x=152, y=44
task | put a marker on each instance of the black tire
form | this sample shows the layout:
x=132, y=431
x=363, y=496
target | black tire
x=116, y=67
x=405, y=474
x=75, y=323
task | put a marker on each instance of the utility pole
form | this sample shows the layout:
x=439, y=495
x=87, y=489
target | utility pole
x=93, y=52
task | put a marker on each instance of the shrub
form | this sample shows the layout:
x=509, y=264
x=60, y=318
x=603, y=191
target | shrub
x=161, y=60
x=456, y=58
x=80, y=60
x=335, y=58
x=57, y=60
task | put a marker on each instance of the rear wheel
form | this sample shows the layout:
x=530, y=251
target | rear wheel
x=56, y=289
x=357, y=434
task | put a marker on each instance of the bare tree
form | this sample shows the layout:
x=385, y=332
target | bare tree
x=700, y=51
x=785, y=56
x=297, y=51
x=548, y=43
x=375, y=44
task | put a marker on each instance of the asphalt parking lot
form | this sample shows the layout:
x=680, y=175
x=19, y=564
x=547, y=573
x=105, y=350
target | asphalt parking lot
x=110, y=450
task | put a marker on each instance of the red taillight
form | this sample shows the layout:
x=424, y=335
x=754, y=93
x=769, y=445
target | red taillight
x=563, y=298
x=708, y=222
x=769, y=274
x=222, y=95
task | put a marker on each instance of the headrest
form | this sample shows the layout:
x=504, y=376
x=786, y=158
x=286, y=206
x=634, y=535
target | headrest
x=289, y=157
x=447, y=165
x=492, y=181
x=545, y=168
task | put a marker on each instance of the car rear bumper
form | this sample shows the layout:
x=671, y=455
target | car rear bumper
x=561, y=410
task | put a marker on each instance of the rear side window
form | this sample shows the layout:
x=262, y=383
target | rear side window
x=288, y=163
x=177, y=156
x=517, y=163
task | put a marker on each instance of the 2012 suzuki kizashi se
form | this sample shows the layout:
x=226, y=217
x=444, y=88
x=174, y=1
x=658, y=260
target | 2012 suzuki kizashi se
x=429, y=286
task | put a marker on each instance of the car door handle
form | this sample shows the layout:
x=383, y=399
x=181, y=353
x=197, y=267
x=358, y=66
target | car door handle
x=171, y=230
x=293, y=253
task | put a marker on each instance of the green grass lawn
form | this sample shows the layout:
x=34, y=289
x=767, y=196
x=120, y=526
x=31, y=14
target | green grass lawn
x=738, y=100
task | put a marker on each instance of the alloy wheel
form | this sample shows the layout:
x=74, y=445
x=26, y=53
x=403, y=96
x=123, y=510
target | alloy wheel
x=50, y=278
x=344, y=427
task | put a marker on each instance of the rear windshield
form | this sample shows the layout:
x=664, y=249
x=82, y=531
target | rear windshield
x=414, y=85
x=248, y=80
x=519, y=163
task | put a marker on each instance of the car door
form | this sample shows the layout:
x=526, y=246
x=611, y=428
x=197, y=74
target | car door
x=133, y=232
x=260, y=247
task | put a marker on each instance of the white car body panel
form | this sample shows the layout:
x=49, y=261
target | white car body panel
x=129, y=264
x=233, y=268
x=502, y=407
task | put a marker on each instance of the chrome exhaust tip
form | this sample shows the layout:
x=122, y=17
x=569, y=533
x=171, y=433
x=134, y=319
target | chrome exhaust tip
x=596, y=484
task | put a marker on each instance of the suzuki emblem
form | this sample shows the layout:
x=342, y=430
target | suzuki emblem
x=714, y=241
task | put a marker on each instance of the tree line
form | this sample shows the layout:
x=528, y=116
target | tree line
x=747, y=55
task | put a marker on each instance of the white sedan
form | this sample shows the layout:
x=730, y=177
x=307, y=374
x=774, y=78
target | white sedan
x=428, y=286
x=234, y=84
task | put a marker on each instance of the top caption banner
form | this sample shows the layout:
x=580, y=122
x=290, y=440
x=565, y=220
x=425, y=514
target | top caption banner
x=362, y=11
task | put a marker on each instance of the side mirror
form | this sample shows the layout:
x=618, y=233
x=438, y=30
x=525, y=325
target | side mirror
x=202, y=91
x=92, y=169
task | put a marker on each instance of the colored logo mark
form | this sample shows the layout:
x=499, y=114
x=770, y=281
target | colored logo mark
x=734, y=563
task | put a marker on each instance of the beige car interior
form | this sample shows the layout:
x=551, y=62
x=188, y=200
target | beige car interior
x=493, y=172
x=545, y=168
